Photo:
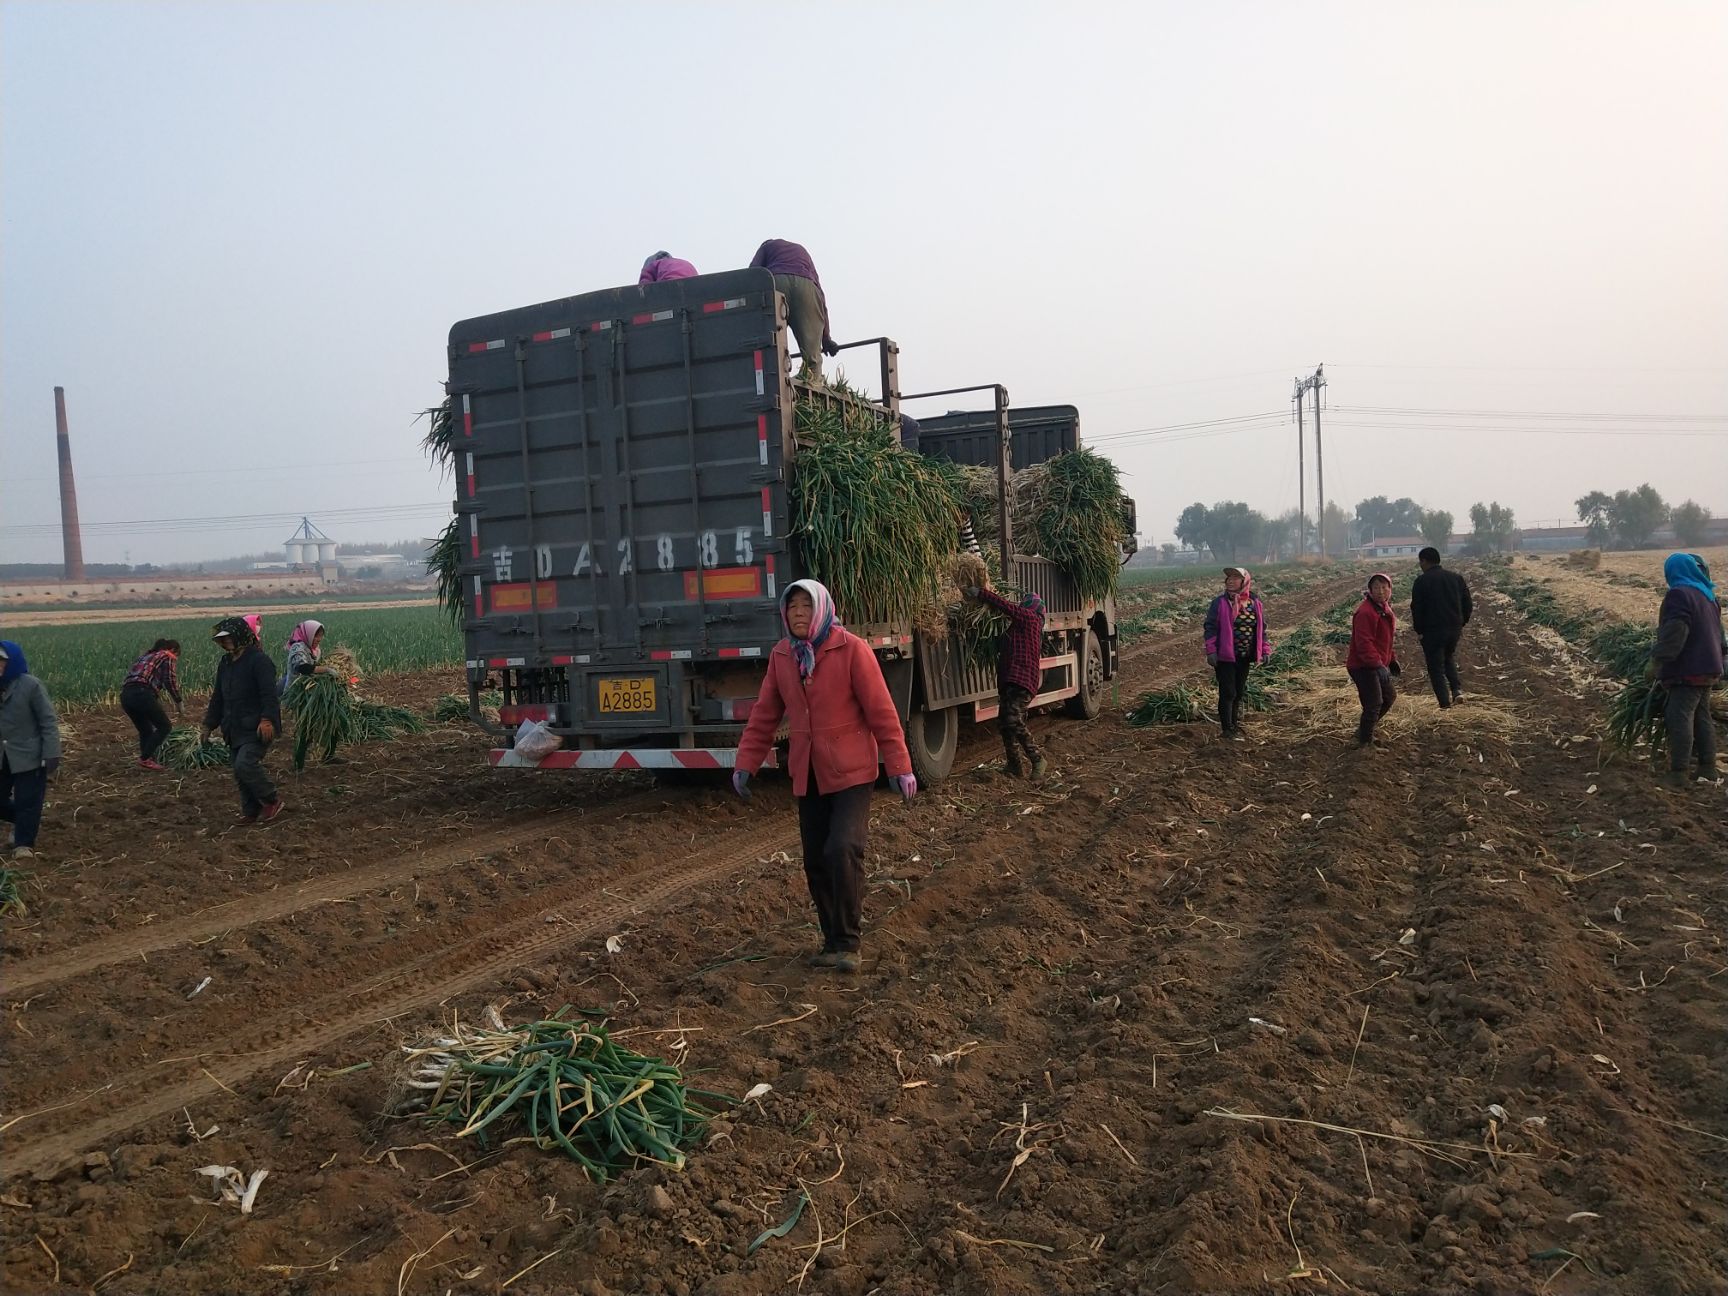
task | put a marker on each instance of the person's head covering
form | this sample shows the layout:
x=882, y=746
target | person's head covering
x=822, y=622
x=255, y=624
x=306, y=632
x=236, y=629
x=1247, y=589
x=658, y=256
x=1368, y=590
x=12, y=663
x=1032, y=603
x=1689, y=570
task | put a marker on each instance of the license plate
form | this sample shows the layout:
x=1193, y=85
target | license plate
x=628, y=695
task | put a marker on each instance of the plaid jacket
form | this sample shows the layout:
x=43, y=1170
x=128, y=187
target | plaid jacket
x=156, y=670
x=1022, y=651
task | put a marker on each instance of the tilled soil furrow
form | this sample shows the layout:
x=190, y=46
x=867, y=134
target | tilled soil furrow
x=430, y=977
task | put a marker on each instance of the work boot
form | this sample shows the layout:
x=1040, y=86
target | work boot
x=1040, y=767
x=23, y=853
x=845, y=961
x=1013, y=768
x=1710, y=774
x=1672, y=780
x=824, y=957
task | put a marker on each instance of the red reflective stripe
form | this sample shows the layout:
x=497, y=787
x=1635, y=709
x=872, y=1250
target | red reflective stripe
x=467, y=417
x=708, y=308
x=471, y=488
x=474, y=545
x=476, y=346
x=564, y=660
x=497, y=661
x=545, y=336
x=642, y=319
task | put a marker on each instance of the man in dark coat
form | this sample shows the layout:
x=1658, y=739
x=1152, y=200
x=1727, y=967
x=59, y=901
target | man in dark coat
x=245, y=706
x=1439, y=611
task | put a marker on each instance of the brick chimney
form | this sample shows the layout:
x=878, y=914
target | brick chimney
x=69, y=533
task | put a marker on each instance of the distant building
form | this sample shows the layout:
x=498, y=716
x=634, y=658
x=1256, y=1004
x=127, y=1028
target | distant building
x=1392, y=547
x=1562, y=539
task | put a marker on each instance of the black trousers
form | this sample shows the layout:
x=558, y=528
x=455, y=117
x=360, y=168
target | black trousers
x=256, y=789
x=144, y=709
x=1232, y=681
x=834, y=828
x=21, y=799
x=1013, y=699
x=1440, y=648
x=1691, y=731
x=1377, y=693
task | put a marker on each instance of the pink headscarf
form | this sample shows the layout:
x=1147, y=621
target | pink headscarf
x=255, y=624
x=306, y=632
x=1241, y=597
x=822, y=622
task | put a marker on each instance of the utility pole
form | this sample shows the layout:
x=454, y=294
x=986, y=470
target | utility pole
x=1301, y=479
x=1313, y=383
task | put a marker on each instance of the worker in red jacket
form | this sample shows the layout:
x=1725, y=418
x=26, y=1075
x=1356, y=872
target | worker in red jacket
x=1372, y=660
x=828, y=687
x=1019, y=676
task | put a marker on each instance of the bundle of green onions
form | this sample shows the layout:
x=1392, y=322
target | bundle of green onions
x=572, y=1086
x=876, y=524
x=181, y=750
x=1637, y=715
x=12, y=893
x=327, y=712
x=444, y=562
x=1069, y=509
x=1178, y=705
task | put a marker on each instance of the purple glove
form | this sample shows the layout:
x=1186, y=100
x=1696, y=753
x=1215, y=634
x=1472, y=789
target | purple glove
x=741, y=783
x=908, y=785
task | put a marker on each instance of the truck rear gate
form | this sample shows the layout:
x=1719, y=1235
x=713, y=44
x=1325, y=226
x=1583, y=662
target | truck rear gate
x=621, y=492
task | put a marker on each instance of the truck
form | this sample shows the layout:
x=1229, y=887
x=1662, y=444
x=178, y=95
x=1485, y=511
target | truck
x=623, y=462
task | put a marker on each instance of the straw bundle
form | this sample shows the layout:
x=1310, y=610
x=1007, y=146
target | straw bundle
x=327, y=711
x=1069, y=509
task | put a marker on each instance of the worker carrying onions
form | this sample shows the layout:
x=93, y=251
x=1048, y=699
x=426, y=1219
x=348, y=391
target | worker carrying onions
x=1019, y=675
x=305, y=648
x=828, y=687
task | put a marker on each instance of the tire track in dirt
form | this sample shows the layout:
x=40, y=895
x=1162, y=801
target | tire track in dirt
x=433, y=976
x=424, y=978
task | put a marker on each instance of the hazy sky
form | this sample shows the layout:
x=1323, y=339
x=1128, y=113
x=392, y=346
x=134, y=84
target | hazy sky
x=238, y=234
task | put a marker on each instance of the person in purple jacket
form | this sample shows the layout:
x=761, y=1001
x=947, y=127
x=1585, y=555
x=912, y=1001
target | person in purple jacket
x=795, y=277
x=663, y=266
x=1235, y=642
x=1687, y=659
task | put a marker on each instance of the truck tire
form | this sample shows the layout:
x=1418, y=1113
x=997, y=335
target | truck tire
x=1086, y=704
x=932, y=737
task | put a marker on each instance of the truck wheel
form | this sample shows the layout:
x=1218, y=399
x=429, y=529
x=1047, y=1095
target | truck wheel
x=1086, y=704
x=931, y=739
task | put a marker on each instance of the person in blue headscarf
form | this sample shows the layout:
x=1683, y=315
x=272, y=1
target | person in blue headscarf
x=29, y=748
x=1687, y=661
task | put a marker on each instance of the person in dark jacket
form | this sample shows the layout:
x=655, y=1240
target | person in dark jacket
x=152, y=675
x=1019, y=676
x=1235, y=642
x=795, y=277
x=1688, y=661
x=1373, y=660
x=29, y=749
x=1439, y=611
x=244, y=705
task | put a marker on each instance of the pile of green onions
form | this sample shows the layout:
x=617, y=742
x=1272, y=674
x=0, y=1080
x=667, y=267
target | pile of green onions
x=567, y=1083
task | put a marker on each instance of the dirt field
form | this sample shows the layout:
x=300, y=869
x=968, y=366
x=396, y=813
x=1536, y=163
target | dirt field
x=1445, y=1015
x=1628, y=586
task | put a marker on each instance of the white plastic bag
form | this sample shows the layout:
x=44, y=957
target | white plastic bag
x=534, y=743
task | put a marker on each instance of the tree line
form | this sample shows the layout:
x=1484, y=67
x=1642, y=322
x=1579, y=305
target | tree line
x=1231, y=531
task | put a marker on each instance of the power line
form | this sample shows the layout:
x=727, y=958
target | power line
x=1411, y=411
x=1644, y=433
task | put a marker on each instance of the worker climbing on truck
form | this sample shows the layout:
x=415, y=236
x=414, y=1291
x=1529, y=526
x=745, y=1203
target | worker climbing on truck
x=1020, y=675
x=663, y=266
x=795, y=278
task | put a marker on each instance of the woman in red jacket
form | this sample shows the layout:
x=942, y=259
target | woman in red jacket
x=828, y=686
x=1372, y=660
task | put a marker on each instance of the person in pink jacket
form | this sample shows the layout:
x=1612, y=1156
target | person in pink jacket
x=828, y=687
x=663, y=266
